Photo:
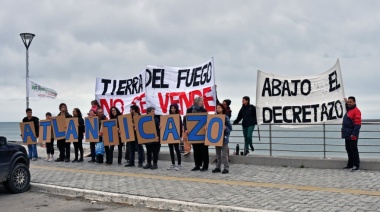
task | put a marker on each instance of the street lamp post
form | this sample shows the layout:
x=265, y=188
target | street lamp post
x=27, y=39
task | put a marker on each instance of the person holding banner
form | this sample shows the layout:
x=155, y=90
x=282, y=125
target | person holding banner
x=114, y=113
x=32, y=148
x=153, y=148
x=92, y=113
x=135, y=111
x=99, y=147
x=95, y=105
x=248, y=114
x=175, y=110
x=351, y=125
x=64, y=148
x=50, y=146
x=201, y=155
x=222, y=152
x=78, y=145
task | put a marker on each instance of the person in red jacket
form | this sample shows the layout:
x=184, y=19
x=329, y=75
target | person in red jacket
x=351, y=124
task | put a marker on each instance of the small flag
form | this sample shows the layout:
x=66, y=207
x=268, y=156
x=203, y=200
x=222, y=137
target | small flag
x=39, y=91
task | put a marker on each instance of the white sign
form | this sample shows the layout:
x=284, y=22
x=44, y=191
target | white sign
x=36, y=90
x=121, y=93
x=169, y=85
x=300, y=100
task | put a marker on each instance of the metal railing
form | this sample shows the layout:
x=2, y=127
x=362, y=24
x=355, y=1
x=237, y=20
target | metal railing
x=316, y=140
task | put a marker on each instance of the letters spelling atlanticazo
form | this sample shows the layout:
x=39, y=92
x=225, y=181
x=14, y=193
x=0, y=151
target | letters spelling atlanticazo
x=196, y=128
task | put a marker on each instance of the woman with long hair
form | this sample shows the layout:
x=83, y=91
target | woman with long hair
x=114, y=113
x=78, y=145
x=174, y=110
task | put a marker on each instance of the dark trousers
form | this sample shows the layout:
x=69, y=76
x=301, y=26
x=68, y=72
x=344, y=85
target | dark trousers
x=175, y=147
x=353, y=153
x=78, y=147
x=120, y=152
x=109, y=153
x=201, y=155
x=50, y=147
x=126, y=151
x=152, y=150
x=132, y=149
x=92, y=148
x=64, y=149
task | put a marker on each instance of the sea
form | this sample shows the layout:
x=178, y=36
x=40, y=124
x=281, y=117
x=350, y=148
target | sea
x=319, y=141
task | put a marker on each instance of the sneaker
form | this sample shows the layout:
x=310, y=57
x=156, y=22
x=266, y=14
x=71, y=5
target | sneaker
x=34, y=159
x=51, y=159
x=178, y=167
x=91, y=161
x=129, y=165
x=172, y=167
x=355, y=168
x=47, y=159
x=80, y=160
x=246, y=153
x=225, y=171
x=154, y=166
x=196, y=168
x=147, y=166
x=67, y=160
x=186, y=153
x=75, y=161
x=140, y=165
x=58, y=160
x=347, y=167
x=216, y=170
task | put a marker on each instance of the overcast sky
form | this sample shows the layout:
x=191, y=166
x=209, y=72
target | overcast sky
x=77, y=41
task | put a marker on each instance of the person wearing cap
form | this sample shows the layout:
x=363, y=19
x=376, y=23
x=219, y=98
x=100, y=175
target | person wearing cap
x=247, y=113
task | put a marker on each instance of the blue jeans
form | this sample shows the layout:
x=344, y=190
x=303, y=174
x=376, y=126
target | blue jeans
x=32, y=150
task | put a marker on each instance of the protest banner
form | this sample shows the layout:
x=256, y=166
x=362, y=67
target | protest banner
x=168, y=85
x=121, y=93
x=195, y=125
x=110, y=132
x=170, y=130
x=45, y=131
x=127, y=133
x=215, y=130
x=298, y=101
x=145, y=129
x=28, y=133
x=59, y=125
x=72, y=130
x=92, y=129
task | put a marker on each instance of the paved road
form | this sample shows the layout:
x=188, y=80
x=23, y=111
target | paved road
x=32, y=201
x=248, y=186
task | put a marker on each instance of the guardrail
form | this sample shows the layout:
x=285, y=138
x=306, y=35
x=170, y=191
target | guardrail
x=316, y=140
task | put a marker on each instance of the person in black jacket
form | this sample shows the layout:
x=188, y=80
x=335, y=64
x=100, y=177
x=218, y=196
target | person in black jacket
x=78, y=145
x=114, y=113
x=201, y=156
x=153, y=148
x=64, y=148
x=175, y=110
x=32, y=148
x=248, y=114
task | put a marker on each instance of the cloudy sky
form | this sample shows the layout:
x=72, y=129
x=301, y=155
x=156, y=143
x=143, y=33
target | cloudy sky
x=77, y=41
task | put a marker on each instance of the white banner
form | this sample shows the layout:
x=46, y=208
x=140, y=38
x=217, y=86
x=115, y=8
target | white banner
x=121, y=93
x=297, y=101
x=36, y=90
x=169, y=85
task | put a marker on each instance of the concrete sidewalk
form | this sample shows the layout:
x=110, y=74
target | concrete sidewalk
x=245, y=188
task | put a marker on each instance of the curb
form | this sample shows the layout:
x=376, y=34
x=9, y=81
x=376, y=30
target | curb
x=139, y=201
